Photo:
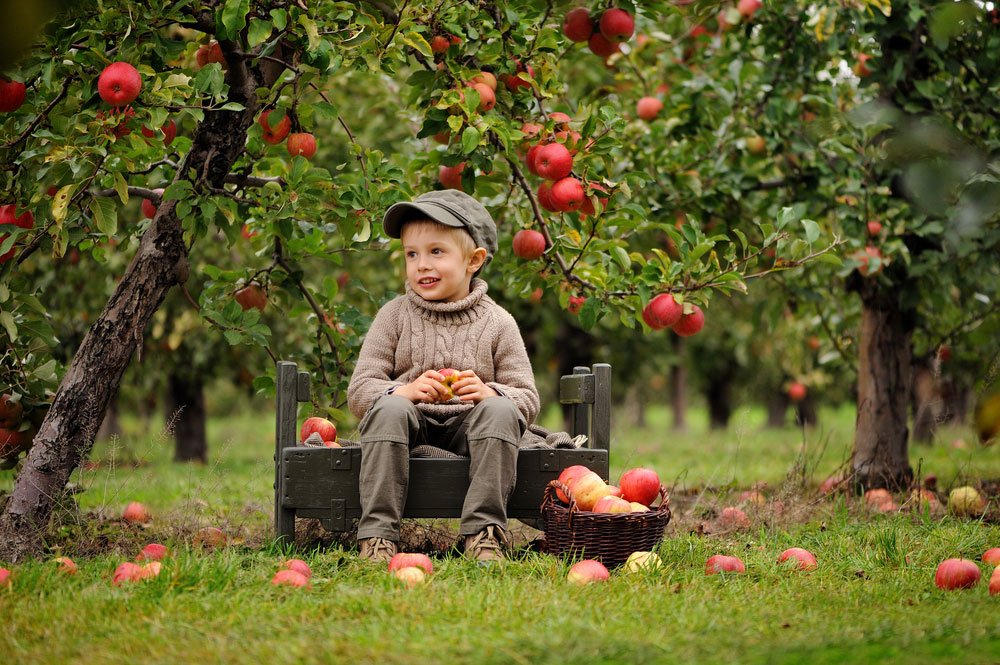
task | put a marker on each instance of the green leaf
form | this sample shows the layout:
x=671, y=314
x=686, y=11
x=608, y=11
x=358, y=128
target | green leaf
x=831, y=258
x=312, y=32
x=60, y=203
x=105, y=215
x=786, y=216
x=232, y=106
x=233, y=337
x=812, y=230
x=280, y=18
x=259, y=32
x=470, y=140
x=590, y=313
x=234, y=17
x=121, y=187
x=621, y=257
x=7, y=321
x=417, y=41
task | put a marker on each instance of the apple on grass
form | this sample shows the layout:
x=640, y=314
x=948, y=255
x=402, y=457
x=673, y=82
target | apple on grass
x=529, y=244
x=966, y=502
x=66, y=566
x=637, y=561
x=992, y=556
x=153, y=552
x=804, y=559
x=289, y=577
x=721, y=563
x=410, y=576
x=127, y=572
x=315, y=424
x=298, y=565
x=954, y=574
x=210, y=536
x=732, y=517
x=136, y=513
x=587, y=571
x=5, y=576
x=411, y=560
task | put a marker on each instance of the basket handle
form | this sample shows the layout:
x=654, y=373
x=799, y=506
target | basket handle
x=664, y=496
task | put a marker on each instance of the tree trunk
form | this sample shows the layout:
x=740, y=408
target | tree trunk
x=926, y=403
x=92, y=379
x=186, y=417
x=805, y=412
x=880, y=457
x=720, y=401
x=678, y=387
x=777, y=408
x=635, y=405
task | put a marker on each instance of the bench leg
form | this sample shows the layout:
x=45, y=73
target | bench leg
x=284, y=525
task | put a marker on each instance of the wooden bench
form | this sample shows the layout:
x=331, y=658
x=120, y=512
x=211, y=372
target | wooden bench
x=322, y=483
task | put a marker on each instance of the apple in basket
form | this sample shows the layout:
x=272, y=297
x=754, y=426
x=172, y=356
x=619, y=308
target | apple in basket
x=589, y=489
x=612, y=504
x=567, y=477
x=641, y=485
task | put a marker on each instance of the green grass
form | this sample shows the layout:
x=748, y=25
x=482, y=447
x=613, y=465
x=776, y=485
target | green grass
x=871, y=600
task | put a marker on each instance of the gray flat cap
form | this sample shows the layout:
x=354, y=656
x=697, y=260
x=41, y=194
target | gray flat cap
x=451, y=208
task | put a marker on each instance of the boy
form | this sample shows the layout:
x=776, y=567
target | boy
x=444, y=320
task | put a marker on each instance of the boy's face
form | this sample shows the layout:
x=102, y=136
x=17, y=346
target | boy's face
x=439, y=261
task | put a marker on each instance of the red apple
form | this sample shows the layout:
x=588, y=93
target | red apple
x=720, y=563
x=567, y=477
x=515, y=82
x=169, y=131
x=748, y=7
x=314, y=424
x=119, y=84
x=12, y=95
x=874, y=498
x=860, y=67
x=640, y=484
x=440, y=43
x=11, y=412
x=874, y=227
x=599, y=45
x=545, y=197
x=755, y=497
x=451, y=176
x=567, y=194
x=954, y=574
x=127, y=572
x=411, y=559
x=648, y=108
x=529, y=244
x=796, y=391
x=5, y=576
x=531, y=157
x=732, y=517
x=588, y=489
x=301, y=143
x=588, y=208
x=153, y=552
x=487, y=98
x=276, y=134
x=209, y=53
x=148, y=207
x=8, y=215
x=150, y=570
x=995, y=582
x=756, y=145
x=66, y=565
x=122, y=116
x=662, y=312
x=575, y=304
x=616, y=25
x=553, y=161
x=292, y=578
x=136, y=513
x=992, y=556
x=804, y=558
x=299, y=566
x=690, y=324
x=587, y=571
x=578, y=26
x=486, y=78
x=251, y=296
x=612, y=504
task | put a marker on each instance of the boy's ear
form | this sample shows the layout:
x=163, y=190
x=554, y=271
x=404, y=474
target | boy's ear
x=477, y=259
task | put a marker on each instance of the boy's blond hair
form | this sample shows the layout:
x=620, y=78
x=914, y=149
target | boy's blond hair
x=465, y=240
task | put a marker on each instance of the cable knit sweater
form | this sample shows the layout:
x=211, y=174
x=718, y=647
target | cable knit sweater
x=411, y=335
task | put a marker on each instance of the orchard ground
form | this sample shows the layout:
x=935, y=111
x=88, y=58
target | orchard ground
x=872, y=597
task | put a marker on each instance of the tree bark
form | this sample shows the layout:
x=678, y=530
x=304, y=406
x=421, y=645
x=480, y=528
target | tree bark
x=805, y=412
x=678, y=386
x=881, y=457
x=926, y=403
x=186, y=417
x=92, y=379
x=777, y=408
x=720, y=400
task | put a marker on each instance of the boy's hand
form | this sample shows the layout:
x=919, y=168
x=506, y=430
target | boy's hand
x=425, y=388
x=470, y=388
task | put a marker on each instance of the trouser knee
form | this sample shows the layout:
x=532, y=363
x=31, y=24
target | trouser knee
x=392, y=419
x=496, y=417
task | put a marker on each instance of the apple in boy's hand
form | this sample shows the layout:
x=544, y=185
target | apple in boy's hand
x=450, y=377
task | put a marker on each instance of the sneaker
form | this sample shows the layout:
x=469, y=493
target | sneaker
x=377, y=550
x=486, y=545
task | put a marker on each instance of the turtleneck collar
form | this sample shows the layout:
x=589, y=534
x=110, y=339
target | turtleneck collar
x=431, y=307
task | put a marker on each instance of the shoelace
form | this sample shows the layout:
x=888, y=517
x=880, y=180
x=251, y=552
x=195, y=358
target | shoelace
x=381, y=545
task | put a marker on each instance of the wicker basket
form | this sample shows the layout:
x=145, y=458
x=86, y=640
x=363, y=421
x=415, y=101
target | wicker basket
x=608, y=537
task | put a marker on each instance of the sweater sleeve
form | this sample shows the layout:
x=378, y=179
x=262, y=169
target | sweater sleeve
x=372, y=375
x=514, y=376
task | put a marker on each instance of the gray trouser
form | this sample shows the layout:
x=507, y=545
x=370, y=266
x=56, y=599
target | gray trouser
x=487, y=433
